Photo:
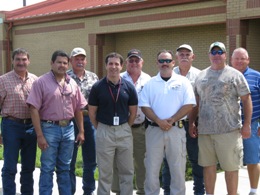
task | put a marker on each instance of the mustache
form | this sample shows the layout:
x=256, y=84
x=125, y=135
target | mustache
x=20, y=65
x=80, y=65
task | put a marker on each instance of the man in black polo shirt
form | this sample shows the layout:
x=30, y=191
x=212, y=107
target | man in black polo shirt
x=112, y=110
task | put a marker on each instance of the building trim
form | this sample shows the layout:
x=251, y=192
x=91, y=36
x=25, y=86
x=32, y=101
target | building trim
x=164, y=16
x=252, y=4
x=50, y=29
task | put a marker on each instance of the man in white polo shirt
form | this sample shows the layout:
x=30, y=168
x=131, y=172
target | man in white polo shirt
x=165, y=100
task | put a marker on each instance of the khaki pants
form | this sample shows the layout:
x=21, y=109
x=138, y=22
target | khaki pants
x=114, y=143
x=172, y=145
x=139, y=154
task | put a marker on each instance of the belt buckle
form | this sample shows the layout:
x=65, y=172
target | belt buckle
x=49, y=121
x=63, y=123
x=180, y=124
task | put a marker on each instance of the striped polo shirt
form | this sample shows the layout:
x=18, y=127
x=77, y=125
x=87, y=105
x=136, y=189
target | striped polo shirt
x=253, y=79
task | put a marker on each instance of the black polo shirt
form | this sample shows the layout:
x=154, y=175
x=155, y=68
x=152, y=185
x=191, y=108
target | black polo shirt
x=101, y=96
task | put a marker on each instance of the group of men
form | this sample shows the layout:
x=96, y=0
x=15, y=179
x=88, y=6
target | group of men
x=132, y=123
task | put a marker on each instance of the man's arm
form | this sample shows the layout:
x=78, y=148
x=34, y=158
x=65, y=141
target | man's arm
x=183, y=111
x=42, y=143
x=92, y=112
x=149, y=113
x=247, y=110
x=79, y=120
x=132, y=114
x=193, y=131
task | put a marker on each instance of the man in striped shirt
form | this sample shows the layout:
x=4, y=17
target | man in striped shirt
x=240, y=61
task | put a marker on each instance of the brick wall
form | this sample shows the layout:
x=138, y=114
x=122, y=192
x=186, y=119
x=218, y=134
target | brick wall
x=150, y=30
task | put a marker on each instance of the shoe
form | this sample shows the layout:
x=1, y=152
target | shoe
x=252, y=193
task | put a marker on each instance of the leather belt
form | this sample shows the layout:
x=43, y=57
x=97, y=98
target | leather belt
x=25, y=121
x=62, y=123
x=179, y=123
x=137, y=125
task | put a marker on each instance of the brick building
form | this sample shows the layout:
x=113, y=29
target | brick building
x=120, y=25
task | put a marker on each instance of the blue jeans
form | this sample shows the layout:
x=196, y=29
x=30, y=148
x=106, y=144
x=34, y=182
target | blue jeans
x=197, y=170
x=58, y=154
x=17, y=138
x=88, y=156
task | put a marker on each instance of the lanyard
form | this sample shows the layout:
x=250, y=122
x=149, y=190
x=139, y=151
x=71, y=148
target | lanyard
x=117, y=95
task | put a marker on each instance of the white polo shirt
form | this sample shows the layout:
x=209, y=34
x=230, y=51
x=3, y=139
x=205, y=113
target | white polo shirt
x=165, y=98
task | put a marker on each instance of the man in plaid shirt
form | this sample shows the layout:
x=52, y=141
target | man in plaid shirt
x=17, y=129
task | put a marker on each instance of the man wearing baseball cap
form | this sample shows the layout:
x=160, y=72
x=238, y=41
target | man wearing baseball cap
x=219, y=90
x=185, y=56
x=135, y=75
x=85, y=79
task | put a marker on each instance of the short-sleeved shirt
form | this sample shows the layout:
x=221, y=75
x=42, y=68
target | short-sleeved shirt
x=253, y=80
x=191, y=75
x=139, y=84
x=165, y=98
x=53, y=101
x=86, y=83
x=101, y=96
x=13, y=94
x=219, y=92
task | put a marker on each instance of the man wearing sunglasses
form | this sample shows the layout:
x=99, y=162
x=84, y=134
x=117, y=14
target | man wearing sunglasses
x=165, y=100
x=85, y=79
x=185, y=57
x=240, y=61
x=219, y=89
x=135, y=75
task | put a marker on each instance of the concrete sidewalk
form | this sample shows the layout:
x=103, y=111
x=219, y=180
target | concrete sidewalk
x=220, y=188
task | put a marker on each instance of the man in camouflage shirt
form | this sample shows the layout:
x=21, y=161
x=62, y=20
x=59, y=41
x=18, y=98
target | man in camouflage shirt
x=85, y=79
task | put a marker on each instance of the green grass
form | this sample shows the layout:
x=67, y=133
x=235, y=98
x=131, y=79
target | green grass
x=79, y=162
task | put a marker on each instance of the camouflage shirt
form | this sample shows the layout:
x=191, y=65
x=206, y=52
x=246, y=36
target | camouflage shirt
x=86, y=83
x=219, y=94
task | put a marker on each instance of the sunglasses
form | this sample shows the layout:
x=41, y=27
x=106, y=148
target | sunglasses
x=161, y=61
x=132, y=61
x=215, y=52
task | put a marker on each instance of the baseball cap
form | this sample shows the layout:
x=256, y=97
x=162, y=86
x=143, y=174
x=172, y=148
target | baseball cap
x=77, y=51
x=134, y=53
x=219, y=45
x=185, y=46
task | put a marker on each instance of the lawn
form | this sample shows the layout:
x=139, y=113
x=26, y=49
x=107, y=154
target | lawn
x=79, y=170
x=79, y=162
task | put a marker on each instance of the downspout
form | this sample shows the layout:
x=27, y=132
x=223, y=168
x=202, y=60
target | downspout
x=8, y=64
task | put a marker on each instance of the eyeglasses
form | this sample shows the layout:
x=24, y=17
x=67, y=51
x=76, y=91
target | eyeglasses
x=165, y=60
x=215, y=52
x=132, y=61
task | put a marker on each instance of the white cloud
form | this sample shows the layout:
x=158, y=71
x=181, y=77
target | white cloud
x=8, y=5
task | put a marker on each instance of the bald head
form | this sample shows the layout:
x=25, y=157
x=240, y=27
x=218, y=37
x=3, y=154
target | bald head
x=240, y=59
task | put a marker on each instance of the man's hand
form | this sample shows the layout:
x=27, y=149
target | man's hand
x=42, y=143
x=164, y=125
x=80, y=138
x=193, y=131
x=246, y=131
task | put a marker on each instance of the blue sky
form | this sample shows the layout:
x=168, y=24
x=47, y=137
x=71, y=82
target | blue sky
x=7, y=5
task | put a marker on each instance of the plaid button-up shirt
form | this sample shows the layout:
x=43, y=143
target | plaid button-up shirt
x=13, y=94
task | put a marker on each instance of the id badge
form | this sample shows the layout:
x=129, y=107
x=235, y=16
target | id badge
x=116, y=120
